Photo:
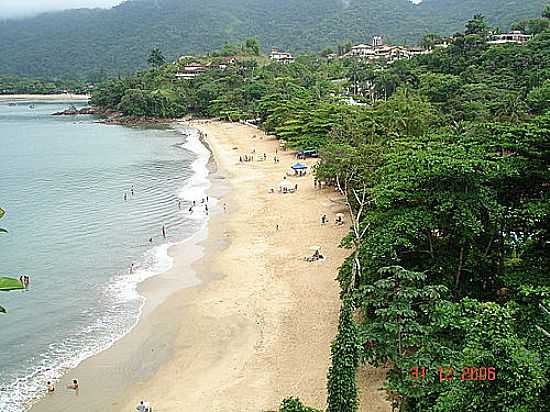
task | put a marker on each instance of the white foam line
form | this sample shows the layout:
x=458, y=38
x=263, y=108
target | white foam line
x=21, y=394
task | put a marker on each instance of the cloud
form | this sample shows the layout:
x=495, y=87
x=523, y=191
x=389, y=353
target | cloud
x=21, y=8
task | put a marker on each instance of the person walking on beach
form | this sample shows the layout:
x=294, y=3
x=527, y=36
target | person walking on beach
x=51, y=387
x=125, y=197
x=179, y=204
x=131, y=268
x=164, y=231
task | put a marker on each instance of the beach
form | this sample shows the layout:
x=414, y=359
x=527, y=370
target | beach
x=258, y=328
x=43, y=97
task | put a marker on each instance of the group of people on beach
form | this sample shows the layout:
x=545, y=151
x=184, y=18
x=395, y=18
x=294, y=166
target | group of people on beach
x=246, y=158
x=338, y=221
x=132, y=193
x=144, y=406
x=204, y=202
x=72, y=386
x=164, y=231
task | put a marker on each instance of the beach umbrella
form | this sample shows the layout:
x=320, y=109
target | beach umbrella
x=298, y=166
x=340, y=215
x=8, y=283
x=315, y=248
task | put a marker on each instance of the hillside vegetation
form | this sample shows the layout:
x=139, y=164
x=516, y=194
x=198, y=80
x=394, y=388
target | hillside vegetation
x=92, y=43
x=445, y=171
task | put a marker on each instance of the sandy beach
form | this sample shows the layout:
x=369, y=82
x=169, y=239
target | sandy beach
x=43, y=97
x=259, y=326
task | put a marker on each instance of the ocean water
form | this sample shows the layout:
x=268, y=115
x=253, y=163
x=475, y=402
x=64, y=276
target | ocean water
x=62, y=183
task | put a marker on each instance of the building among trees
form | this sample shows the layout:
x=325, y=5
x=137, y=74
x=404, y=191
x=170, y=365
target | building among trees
x=380, y=51
x=514, y=37
x=280, y=56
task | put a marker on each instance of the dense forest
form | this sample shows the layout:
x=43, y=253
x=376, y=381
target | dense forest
x=443, y=161
x=93, y=43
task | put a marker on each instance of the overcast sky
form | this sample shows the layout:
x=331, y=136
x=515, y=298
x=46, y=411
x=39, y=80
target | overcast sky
x=17, y=8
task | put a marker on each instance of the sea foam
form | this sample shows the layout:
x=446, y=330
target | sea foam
x=121, y=304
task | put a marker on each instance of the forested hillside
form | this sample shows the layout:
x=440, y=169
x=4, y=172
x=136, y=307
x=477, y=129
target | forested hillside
x=444, y=169
x=91, y=43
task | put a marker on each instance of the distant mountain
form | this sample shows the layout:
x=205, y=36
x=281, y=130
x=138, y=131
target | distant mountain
x=87, y=42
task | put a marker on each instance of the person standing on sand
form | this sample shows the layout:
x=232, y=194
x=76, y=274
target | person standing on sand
x=131, y=268
x=74, y=386
x=51, y=387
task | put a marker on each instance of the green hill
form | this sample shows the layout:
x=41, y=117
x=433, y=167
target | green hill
x=88, y=42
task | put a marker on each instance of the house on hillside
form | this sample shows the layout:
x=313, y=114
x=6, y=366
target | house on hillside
x=378, y=51
x=514, y=37
x=361, y=50
x=280, y=56
x=191, y=71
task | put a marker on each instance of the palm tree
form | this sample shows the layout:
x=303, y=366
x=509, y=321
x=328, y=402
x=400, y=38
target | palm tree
x=156, y=58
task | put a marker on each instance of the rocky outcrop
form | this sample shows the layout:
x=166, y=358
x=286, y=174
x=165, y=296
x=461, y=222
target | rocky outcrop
x=73, y=111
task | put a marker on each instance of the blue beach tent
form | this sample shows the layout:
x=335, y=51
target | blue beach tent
x=298, y=166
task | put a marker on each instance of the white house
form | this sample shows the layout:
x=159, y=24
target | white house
x=380, y=51
x=280, y=56
x=191, y=71
x=514, y=37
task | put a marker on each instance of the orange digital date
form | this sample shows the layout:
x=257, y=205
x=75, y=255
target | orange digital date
x=446, y=374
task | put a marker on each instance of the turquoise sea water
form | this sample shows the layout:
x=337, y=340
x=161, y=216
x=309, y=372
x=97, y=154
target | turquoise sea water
x=62, y=183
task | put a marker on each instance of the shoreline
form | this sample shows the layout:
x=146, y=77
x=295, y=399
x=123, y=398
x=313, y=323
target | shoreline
x=43, y=97
x=258, y=327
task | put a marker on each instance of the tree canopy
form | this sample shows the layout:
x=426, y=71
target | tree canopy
x=443, y=162
x=87, y=43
